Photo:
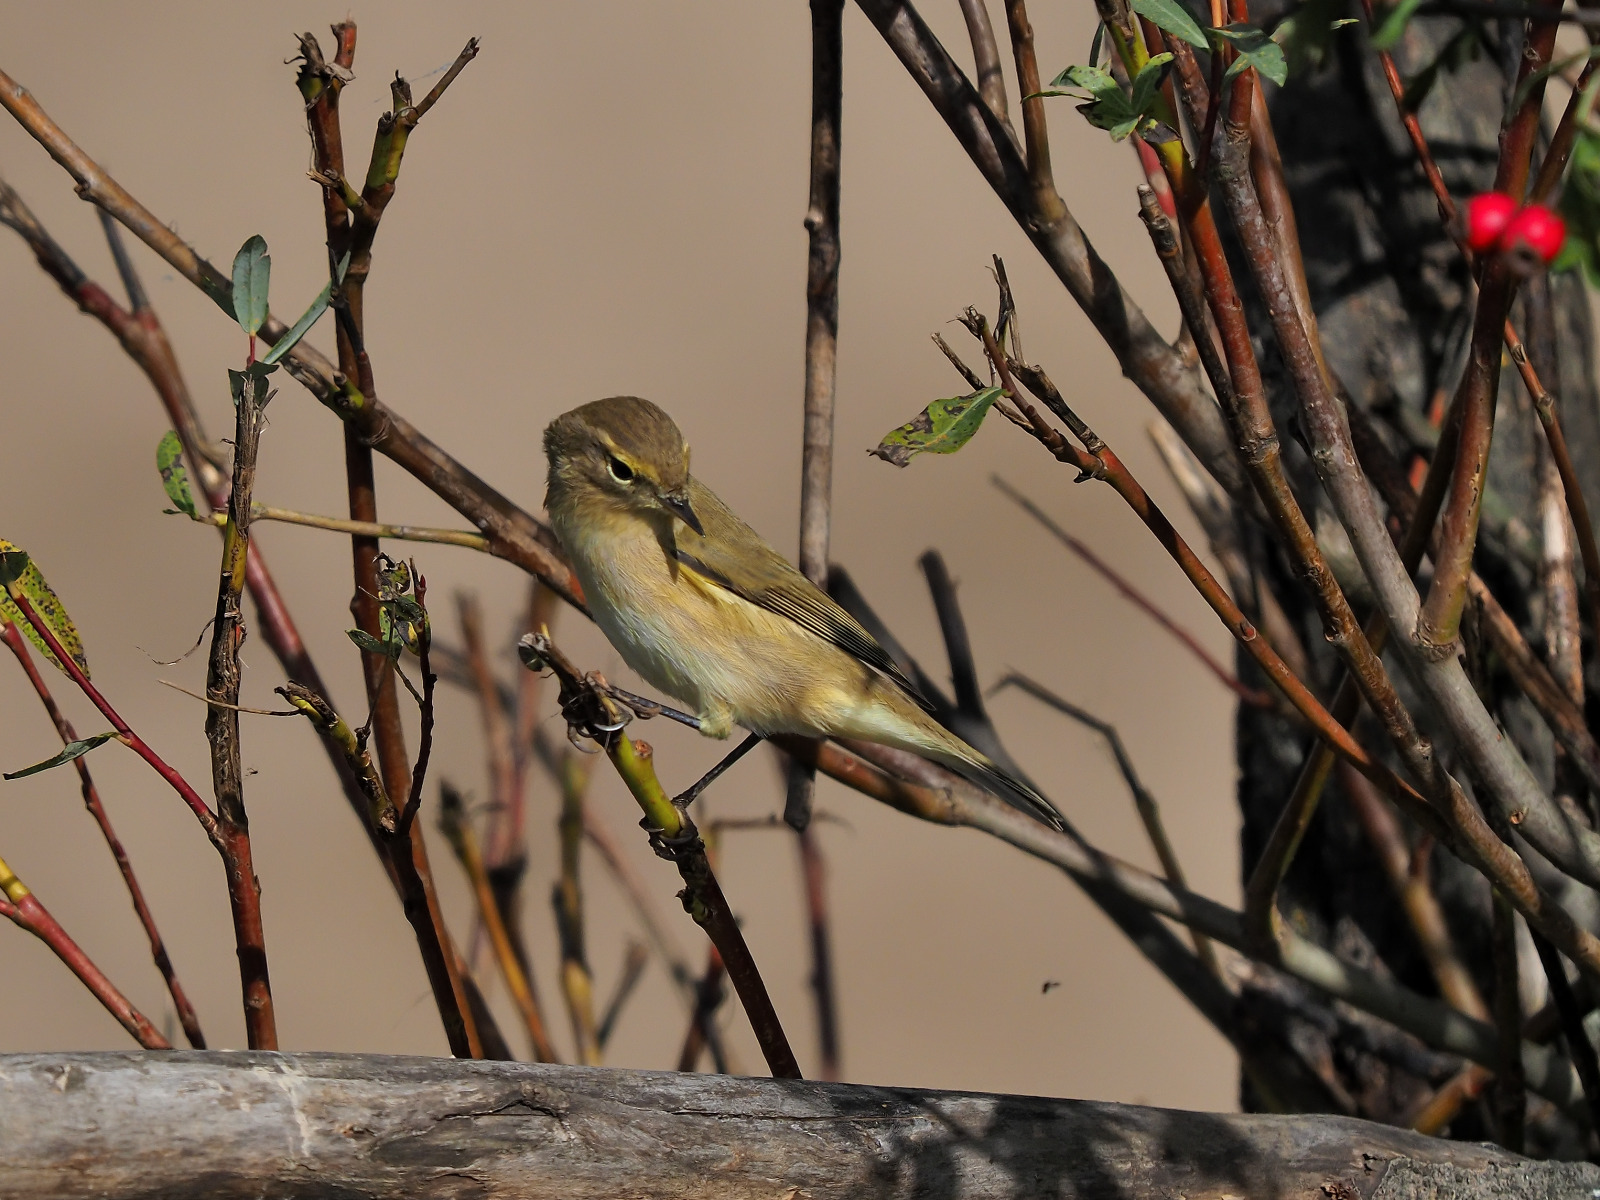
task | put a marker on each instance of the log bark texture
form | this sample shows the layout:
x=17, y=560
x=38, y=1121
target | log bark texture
x=258, y=1124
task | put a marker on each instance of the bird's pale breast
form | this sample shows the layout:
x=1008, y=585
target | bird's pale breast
x=698, y=642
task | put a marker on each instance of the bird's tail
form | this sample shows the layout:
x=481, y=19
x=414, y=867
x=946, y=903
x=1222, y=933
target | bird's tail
x=976, y=767
x=902, y=724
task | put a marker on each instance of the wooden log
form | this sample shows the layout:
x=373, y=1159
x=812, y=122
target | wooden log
x=246, y=1124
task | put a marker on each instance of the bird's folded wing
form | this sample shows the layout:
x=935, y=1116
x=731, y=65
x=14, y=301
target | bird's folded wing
x=733, y=556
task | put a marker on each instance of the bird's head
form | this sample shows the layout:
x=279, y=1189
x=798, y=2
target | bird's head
x=625, y=450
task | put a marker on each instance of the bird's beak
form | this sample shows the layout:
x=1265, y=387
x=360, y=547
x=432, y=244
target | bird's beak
x=678, y=504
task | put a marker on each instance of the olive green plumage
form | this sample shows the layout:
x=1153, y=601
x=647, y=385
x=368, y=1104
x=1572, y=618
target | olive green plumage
x=705, y=610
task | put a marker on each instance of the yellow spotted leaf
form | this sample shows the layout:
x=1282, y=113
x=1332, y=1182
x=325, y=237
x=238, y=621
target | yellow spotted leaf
x=19, y=576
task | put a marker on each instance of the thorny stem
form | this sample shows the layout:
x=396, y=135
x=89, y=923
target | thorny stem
x=455, y=827
x=222, y=721
x=91, y=800
x=22, y=908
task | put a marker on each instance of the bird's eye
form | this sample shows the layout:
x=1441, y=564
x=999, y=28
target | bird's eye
x=620, y=471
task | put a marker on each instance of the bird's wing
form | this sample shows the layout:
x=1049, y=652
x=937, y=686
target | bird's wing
x=734, y=556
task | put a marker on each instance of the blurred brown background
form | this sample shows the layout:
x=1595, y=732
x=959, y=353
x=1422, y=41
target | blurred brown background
x=609, y=200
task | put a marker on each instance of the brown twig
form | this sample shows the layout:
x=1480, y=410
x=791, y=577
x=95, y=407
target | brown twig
x=1145, y=357
x=930, y=793
x=141, y=335
x=1101, y=462
x=813, y=870
x=1407, y=875
x=1215, y=514
x=1249, y=695
x=187, y=1017
x=22, y=908
x=222, y=720
x=350, y=231
x=456, y=829
x=577, y=984
x=1458, y=818
x=709, y=995
x=1510, y=1090
x=986, y=62
x=633, y=963
x=1149, y=811
x=1572, y=1030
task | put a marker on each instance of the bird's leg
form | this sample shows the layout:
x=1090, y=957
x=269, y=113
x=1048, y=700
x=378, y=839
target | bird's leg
x=652, y=708
x=686, y=798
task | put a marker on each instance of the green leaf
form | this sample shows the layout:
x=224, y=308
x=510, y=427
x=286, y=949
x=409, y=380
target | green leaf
x=374, y=645
x=69, y=752
x=19, y=576
x=252, y=272
x=1109, y=107
x=1147, y=81
x=1174, y=18
x=1256, y=50
x=942, y=428
x=169, y=461
x=307, y=319
x=1394, y=24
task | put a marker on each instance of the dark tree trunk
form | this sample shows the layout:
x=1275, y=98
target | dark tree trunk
x=1392, y=299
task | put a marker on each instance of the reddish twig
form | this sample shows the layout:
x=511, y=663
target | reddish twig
x=22, y=907
x=187, y=1017
x=813, y=871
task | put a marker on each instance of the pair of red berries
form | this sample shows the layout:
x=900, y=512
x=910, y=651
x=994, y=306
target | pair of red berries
x=1496, y=224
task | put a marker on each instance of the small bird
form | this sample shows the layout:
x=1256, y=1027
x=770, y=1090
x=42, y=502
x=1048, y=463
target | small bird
x=705, y=610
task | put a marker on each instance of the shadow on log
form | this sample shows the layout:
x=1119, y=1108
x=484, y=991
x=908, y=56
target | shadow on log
x=238, y=1124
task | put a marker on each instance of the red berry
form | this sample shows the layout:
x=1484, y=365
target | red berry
x=1535, y=231
x=1488, y=215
